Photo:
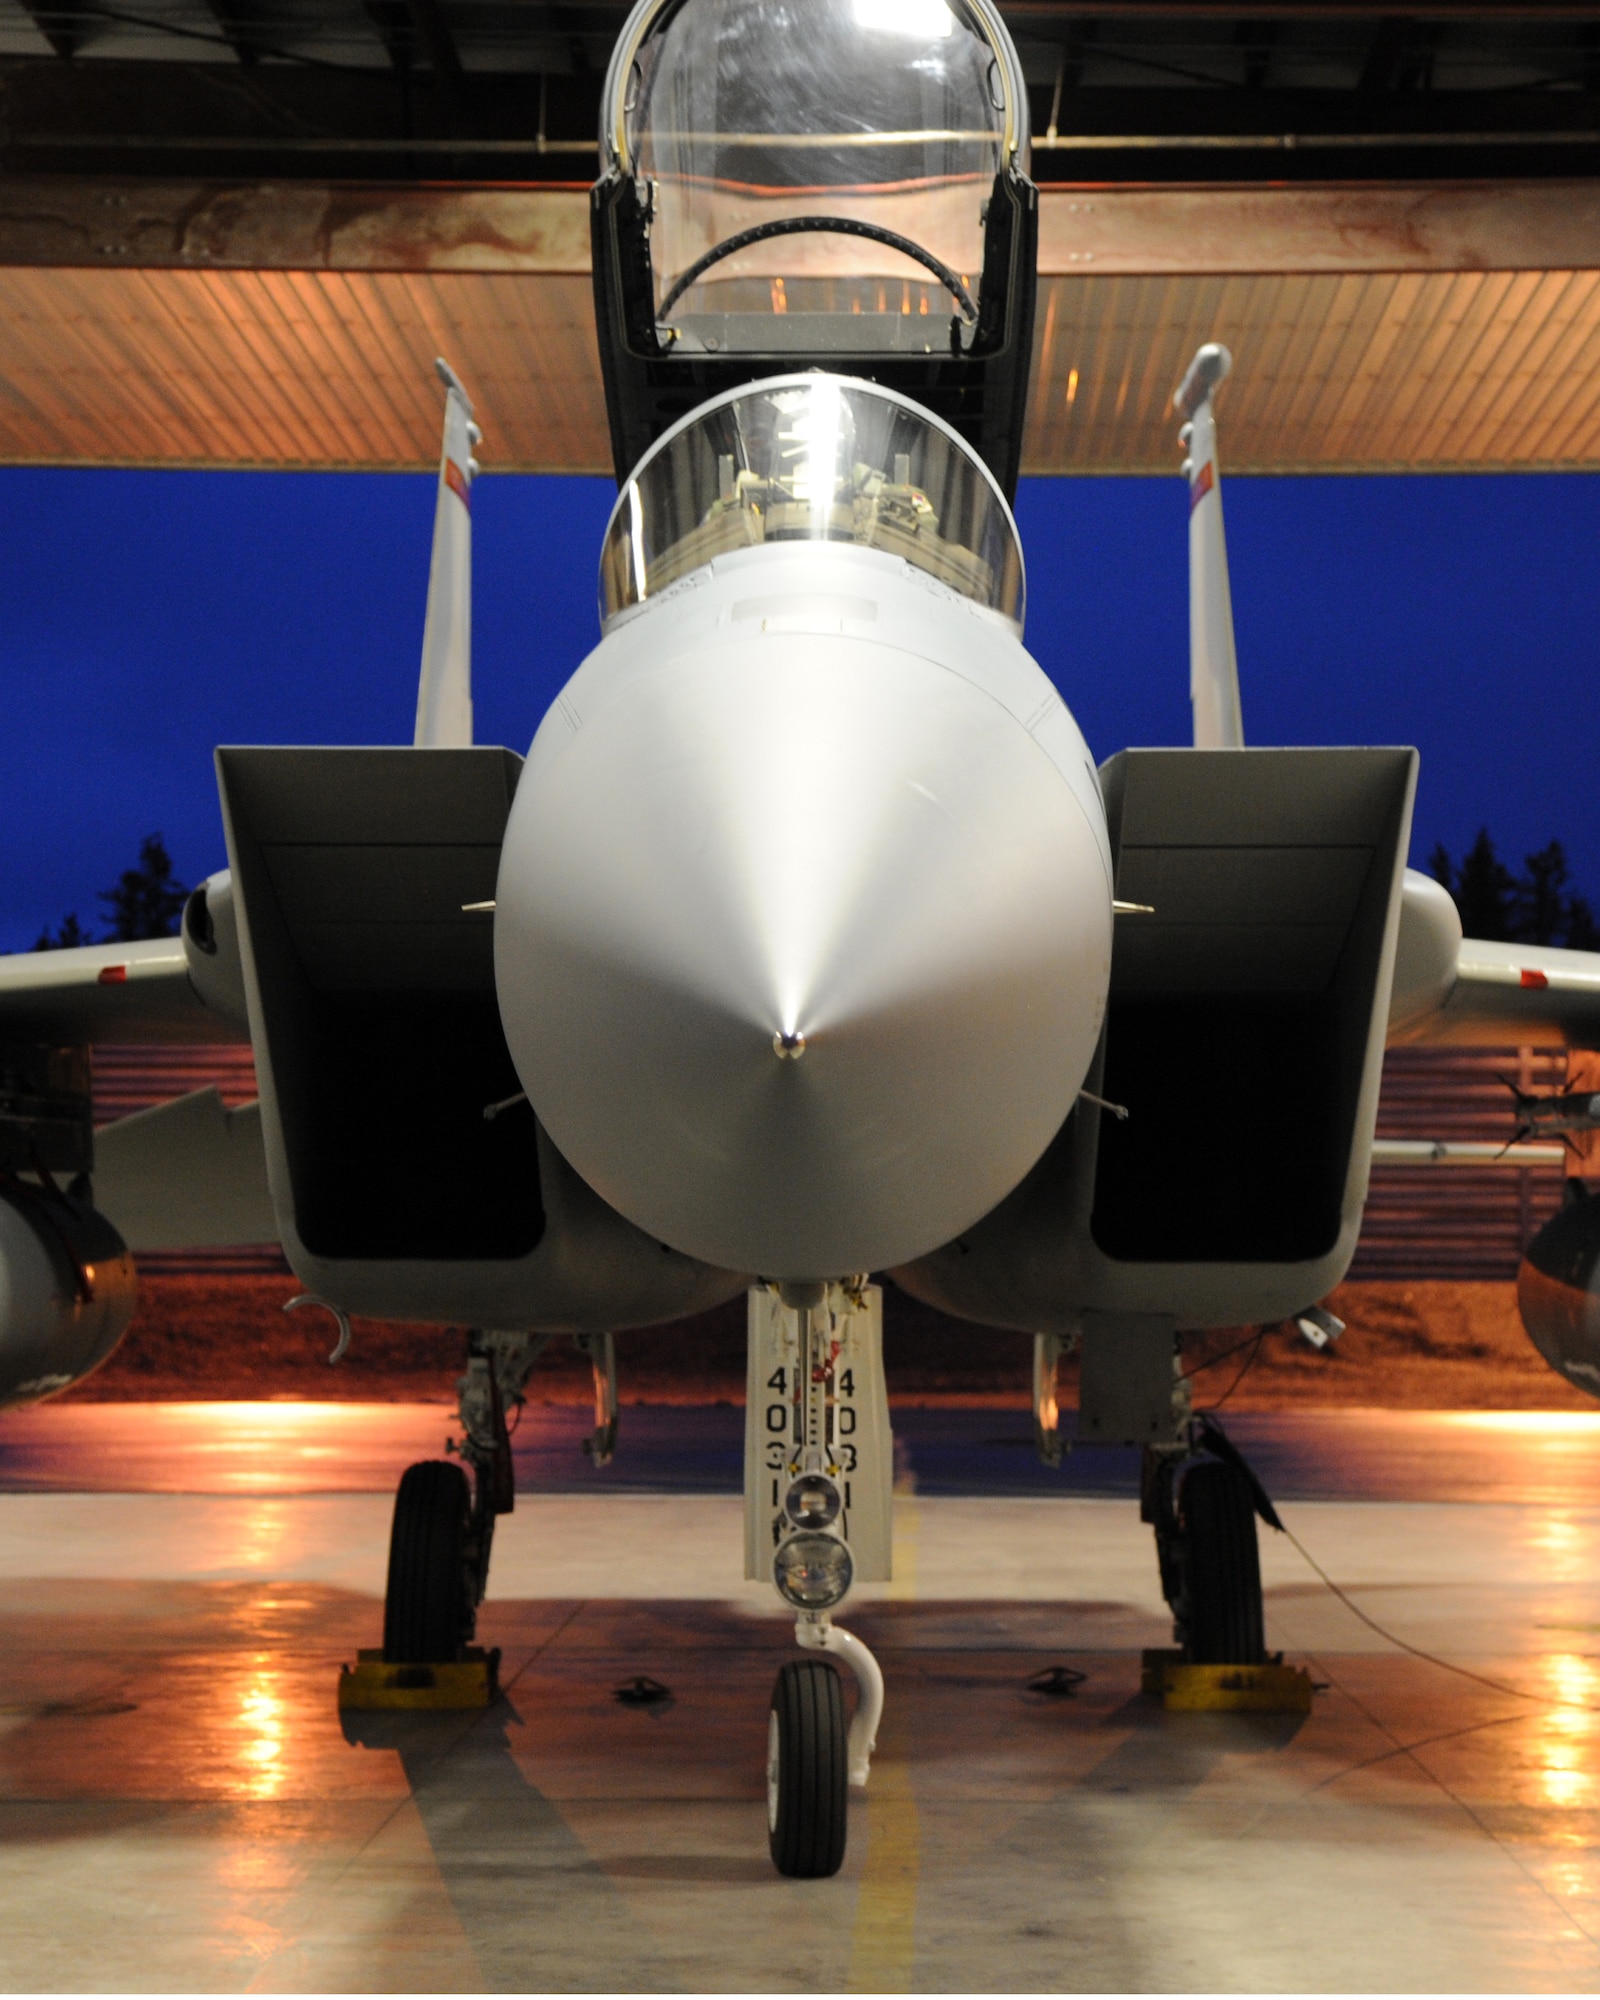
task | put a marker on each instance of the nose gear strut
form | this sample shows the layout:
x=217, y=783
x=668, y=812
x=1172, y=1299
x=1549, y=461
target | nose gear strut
x=818, y=1469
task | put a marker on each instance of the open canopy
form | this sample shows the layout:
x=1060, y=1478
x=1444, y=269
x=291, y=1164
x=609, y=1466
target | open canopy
x=742, y=119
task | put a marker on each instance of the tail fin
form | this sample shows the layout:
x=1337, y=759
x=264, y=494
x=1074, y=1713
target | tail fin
x=444, y=689
x=1213, y=663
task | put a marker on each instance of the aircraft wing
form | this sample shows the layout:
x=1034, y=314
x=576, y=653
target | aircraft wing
x=1515, y=993
x=106, y=993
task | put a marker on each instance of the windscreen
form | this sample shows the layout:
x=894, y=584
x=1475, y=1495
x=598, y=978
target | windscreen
x=895, y=114
x=823, y=460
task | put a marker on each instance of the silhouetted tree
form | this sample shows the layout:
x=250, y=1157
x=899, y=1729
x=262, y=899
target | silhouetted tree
x=1582, y=933
x=146, y=901
x=1539, y=906
x=70, y=933
x=1483, y=887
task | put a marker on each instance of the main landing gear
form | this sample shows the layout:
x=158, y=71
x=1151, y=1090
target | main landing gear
x=1203, y=1501
x=817, y=1463
x=429, y=1608
x=1197, y=1492
x=445, y=1513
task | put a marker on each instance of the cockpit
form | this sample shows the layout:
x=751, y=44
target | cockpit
x=812, y=458
x=817, y=173
x=839, y=184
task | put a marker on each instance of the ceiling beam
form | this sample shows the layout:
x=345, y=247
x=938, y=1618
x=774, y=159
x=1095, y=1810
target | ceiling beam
x=433, y=36
x=208, y=120
x=1399, y=55
x=392, y=19
x=238, y=21
x=131, y=223
x=1256, y=37
x=58, y=26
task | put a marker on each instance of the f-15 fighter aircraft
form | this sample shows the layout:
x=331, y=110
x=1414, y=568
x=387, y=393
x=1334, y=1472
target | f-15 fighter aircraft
x=807, y=943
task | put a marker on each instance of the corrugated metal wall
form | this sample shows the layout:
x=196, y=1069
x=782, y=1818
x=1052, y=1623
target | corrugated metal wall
x=1421, y=1222
x=1456, y=1222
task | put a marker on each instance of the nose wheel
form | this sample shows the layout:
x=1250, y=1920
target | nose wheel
x=807, y=1770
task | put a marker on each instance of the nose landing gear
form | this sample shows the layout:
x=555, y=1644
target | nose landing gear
x=818, y=1462
x=806, y=1770
x=812, y=1758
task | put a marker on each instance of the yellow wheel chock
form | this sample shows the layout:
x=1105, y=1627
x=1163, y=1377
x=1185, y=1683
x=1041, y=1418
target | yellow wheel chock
x=374, y=1682
x=1268, y=1689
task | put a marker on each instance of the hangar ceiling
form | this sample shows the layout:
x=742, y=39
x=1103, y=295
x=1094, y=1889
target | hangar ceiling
x=237, y=231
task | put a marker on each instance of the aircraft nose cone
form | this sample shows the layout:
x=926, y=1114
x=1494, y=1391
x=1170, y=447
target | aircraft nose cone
x=802, y=963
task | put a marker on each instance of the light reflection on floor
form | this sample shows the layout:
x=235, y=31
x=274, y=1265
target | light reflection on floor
x=182, y=1581
x=1520, y=1457
x=263, y=1715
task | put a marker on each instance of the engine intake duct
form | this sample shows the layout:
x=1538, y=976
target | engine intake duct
x=1244, y=1035
x=364, y=886
x=1240, y=1032
x=374, y=1016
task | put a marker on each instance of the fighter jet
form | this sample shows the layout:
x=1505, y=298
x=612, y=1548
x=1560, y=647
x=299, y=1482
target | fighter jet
x=807, y=944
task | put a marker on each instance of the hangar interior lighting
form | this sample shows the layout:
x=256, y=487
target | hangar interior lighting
x=927, y=20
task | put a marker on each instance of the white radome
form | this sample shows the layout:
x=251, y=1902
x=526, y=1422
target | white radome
x=803, y=924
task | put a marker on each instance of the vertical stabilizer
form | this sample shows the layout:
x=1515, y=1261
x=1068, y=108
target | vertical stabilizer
x=1213, y=663
x=444, y=690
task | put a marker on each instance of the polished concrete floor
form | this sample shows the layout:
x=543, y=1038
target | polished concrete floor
x=180, y=1807
x=301, y=1447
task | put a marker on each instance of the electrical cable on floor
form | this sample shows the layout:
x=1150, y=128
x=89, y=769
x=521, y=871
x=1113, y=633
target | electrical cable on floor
x=1433, y=1659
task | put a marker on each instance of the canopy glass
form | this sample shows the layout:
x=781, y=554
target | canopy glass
x=812, y=458
x=886, y=119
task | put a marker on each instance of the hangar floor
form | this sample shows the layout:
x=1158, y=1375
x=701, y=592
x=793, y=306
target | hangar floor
x=180, y=1808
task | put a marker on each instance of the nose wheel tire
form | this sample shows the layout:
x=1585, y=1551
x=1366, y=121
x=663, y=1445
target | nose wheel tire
x=807, y=1771
x=1221, y=1566
x=427, y=1609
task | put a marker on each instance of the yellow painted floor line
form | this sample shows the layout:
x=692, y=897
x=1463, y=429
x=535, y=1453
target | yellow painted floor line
x=883, y=1945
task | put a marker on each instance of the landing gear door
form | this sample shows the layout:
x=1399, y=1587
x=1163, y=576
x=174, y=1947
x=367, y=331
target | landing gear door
x=860, y=1440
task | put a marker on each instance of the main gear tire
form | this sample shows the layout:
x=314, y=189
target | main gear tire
x=427, y=1608
x=1221, y=1567
x=807, y=1770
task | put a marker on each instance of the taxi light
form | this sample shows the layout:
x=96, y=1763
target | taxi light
x=813, y=1501
x=812, y=1571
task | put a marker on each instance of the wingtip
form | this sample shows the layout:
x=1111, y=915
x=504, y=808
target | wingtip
x=451, y=380
x=1210, y=367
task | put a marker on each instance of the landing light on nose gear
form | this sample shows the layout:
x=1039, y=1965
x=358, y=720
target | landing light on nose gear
x=818, y=1463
